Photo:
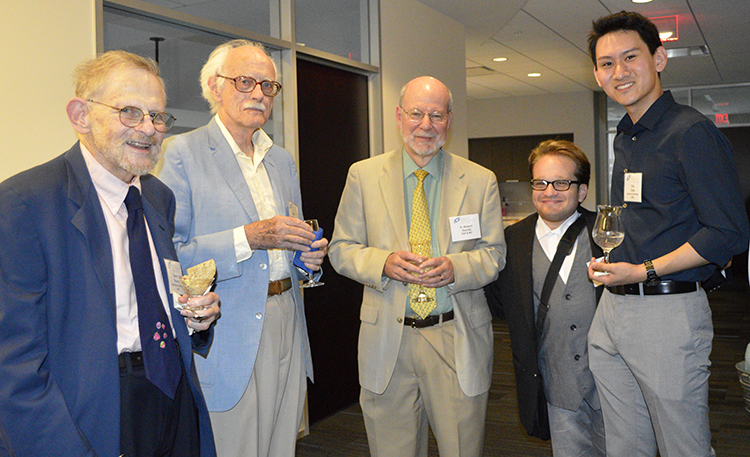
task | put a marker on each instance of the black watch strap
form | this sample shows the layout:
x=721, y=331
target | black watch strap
x=651, y=275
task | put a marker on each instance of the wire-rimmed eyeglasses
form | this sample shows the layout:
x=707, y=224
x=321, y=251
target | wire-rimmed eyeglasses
x=247, y=84
x=415, y=115
x=560, y=185
x=130, y=116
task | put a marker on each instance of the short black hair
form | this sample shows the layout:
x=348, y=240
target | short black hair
x=624, y=21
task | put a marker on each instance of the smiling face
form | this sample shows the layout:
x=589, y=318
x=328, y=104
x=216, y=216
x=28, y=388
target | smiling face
x=553, y=206
x=423, y=139
x=628, y=72
x=126, y=151
x=240, y=110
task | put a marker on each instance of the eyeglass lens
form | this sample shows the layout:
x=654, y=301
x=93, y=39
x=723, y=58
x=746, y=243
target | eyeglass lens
x=559, y=185
x=132, y=117
x=435, y=117
x=247, y=84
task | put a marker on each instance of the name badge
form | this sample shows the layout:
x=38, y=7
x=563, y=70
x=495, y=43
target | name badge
x=465, y=227
x=633, y=187
x=174, y=273
x=293, y=210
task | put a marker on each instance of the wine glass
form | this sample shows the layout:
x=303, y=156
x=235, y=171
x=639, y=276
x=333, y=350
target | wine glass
x=608, y=231
x=423, y=248
x=311, y=282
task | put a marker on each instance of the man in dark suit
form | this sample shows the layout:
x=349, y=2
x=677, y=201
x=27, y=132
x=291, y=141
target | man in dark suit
x=551, y=365
x=76, y=377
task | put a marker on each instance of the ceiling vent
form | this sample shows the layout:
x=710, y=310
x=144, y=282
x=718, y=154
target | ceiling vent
x=692, y=51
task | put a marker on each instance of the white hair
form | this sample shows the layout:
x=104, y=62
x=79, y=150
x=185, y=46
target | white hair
x=216, y=62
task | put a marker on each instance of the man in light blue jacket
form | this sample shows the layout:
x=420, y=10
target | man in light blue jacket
x=238, y=202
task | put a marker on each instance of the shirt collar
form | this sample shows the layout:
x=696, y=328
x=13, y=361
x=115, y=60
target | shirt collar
x=433, y=167
x=650, y=117
x=261, y=142
x=110, y=188
x=543, y=230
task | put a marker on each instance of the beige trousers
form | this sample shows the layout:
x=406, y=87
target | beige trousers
x=266, y=421
x=424, y=391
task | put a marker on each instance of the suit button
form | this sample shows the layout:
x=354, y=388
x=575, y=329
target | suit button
x=258, y=315
x=573, y=327
x=577, y=357
x=263, y=266
x=399, y=320
x=568, y=296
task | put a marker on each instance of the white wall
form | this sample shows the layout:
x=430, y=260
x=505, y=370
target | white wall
x=43, y=41
x=417, y=41
x=539, y=115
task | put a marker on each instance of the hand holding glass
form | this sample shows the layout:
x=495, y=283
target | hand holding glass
x=313, y=223
x=608, y=231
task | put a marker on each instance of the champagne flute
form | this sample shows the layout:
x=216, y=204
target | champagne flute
x=423, y=248
x=608, y=231
x=311, y=282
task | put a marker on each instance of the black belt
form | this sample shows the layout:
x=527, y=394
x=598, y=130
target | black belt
x=428, y=321
x=279, y=287
x=134, y=359
x=656, y=288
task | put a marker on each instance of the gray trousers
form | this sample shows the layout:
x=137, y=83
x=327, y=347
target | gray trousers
x=650, y=356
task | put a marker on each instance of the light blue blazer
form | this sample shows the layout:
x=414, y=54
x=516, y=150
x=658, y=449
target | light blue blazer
x=212, y=200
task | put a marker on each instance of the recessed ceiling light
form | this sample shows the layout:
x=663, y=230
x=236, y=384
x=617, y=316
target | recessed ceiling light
x=534, y=75
x=665, y=35
x=641, y=1
x=500, y=59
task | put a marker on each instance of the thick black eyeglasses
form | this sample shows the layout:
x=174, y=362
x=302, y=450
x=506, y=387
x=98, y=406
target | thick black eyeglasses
x=560, y=185
x=415, y=116
x=130, y=116
x=247, y=84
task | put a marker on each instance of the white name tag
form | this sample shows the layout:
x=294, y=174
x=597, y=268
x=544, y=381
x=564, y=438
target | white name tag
x=174, y=271
x=293, y=210
x=633, y=186
x=465, y=227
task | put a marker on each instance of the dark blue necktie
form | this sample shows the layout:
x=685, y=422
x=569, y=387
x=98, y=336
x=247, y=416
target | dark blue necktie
x=160, y=355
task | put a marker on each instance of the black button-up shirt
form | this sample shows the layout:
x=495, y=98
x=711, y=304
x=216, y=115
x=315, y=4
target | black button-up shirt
x=690, y=190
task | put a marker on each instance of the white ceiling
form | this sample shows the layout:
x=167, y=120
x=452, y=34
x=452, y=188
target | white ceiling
x=549, y=37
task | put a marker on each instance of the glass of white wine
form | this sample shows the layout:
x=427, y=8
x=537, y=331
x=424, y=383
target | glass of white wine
x=608, y=231
x=423, y=248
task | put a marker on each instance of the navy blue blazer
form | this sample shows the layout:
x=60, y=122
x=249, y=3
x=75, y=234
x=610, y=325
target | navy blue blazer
x=59, y=374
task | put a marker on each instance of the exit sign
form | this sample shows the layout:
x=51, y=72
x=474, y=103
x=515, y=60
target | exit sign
x=722, y=118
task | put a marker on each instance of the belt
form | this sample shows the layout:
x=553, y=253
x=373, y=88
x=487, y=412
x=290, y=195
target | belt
x=279, y=287
x=134, y=359
x=656, y=288
x=428, y=321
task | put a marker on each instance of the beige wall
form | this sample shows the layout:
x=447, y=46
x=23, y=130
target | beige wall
x=538, y=115
x=416, y=41
x=42, y=42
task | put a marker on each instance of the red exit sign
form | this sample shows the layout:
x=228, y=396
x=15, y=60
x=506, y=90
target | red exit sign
x=722, y=118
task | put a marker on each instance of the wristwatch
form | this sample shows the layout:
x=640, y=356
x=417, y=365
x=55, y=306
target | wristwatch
x=651, y=275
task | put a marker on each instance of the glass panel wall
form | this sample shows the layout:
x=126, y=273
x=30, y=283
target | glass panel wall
x=336, y=26
x=182, y=51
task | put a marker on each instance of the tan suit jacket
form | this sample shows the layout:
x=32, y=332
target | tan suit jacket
x=371, y=224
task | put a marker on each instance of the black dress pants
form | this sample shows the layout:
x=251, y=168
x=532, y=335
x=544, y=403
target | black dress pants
x=152, y=424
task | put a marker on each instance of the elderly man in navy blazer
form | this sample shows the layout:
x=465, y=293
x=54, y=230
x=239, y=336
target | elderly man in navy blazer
x=238, y=202
x=74, y=295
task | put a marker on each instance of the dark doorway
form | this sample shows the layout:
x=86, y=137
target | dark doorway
x=333, y=134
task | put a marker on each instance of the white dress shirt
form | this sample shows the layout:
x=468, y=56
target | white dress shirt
x=257, y=181
x=549, y=239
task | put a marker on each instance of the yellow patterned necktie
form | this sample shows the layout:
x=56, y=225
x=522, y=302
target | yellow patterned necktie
x=422, y=298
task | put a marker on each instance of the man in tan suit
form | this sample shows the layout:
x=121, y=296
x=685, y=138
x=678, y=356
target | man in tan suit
x=425, y=356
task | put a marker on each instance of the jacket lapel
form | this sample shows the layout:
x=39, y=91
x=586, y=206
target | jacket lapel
x=89, y=220
x=392, y=189
x=228, y=167
x=452, y=197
